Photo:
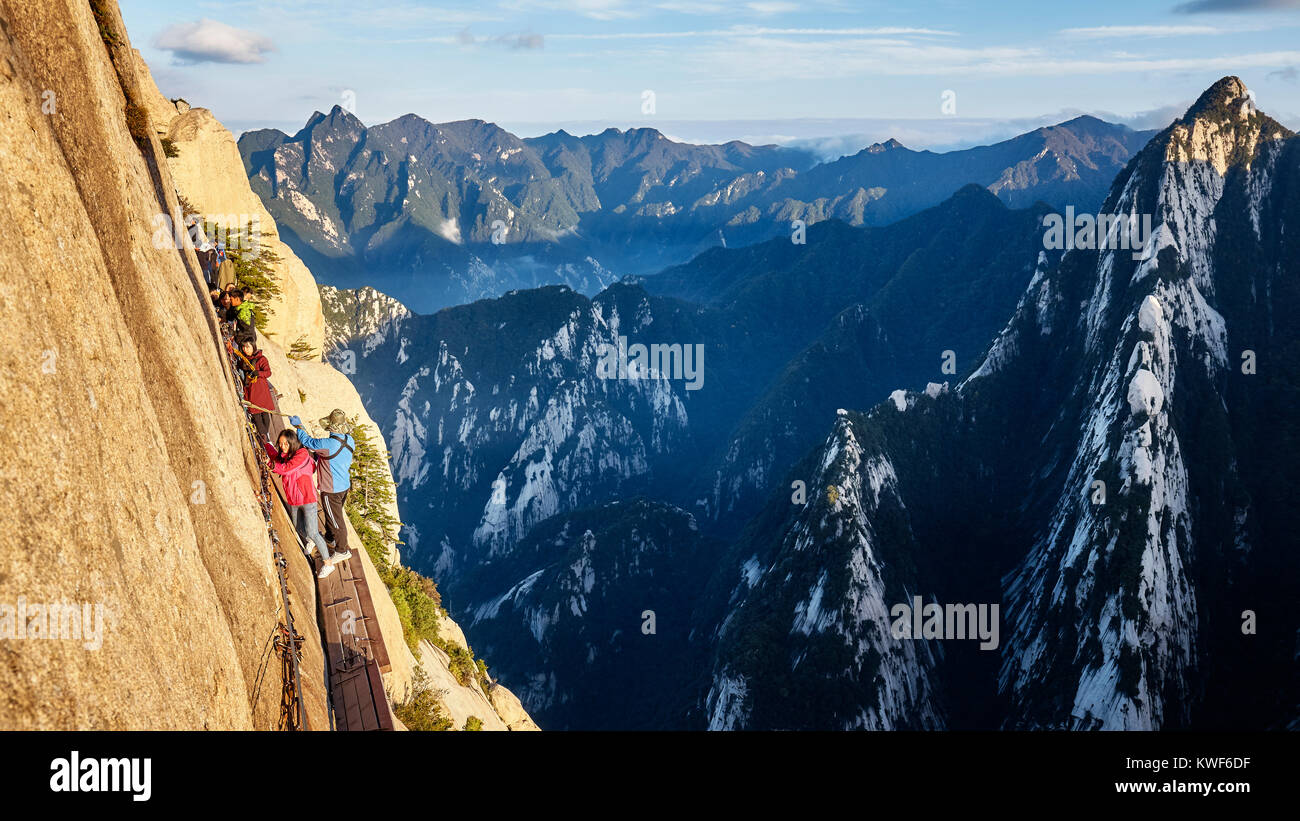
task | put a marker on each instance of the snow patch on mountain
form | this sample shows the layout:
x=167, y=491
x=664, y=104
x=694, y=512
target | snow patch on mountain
x=361, y=320
x=1136, y=656
x=858, y=616
x=726, y=702
x=1039, y=301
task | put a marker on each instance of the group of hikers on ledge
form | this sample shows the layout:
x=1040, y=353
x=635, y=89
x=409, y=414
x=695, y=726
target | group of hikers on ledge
x=310, y=467
x=315, y=472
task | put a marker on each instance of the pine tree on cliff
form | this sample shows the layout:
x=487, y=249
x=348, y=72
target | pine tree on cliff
x=255, y=267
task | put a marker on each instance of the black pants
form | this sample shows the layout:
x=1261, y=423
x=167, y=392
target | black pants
x=262, y=422
x=336, y=530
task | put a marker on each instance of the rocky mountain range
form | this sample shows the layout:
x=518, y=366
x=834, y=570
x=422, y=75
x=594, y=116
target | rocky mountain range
x=1102, y=473
x=443, y=214
x=499, y=422
x=950, y=408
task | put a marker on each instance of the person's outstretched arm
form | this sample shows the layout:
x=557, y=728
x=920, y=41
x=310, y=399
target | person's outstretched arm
x=308, y=441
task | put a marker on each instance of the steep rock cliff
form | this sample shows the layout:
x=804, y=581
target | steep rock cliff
x=130, y=487
x=209, y=172
x=125, y=485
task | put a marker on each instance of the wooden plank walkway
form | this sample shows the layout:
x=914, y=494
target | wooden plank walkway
x=354, y=648
x=351, y=640
x=355, y=655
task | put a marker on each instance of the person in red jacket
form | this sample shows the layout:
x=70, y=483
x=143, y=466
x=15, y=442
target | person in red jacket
x=257, y=391
x=297, y=469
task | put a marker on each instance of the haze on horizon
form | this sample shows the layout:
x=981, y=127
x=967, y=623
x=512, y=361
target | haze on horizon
x=827, y=74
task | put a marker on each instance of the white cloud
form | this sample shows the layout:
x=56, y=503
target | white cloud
x=211, y=41
x=623, y=10
x=1113, y=32
x=593, y=9
x=772, y=7
x=1107, y=32
x=763, y=8
x=522, y=41
x=742, y=58
x=755, y=31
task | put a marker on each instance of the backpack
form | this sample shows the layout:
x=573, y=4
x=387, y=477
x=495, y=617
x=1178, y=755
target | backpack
x=344, y=441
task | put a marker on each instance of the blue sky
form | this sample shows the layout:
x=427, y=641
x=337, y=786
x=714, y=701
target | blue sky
x=758, y=69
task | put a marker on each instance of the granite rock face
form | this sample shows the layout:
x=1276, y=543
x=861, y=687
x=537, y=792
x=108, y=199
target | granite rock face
x=125, y=488
x=208, y=171
x=137, y=589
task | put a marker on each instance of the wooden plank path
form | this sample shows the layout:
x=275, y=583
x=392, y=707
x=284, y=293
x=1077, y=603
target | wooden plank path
x=354, y=648
x=352, y=641
x=354, y=651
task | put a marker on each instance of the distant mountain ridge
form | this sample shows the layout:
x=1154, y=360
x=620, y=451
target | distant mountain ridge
x=1100, y=464
x=443, y=214
x=1069, y=163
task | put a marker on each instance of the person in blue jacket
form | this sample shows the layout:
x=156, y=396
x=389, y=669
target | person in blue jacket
x=333, y=473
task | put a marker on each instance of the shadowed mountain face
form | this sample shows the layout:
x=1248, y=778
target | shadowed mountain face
x=500, y=422
x=438, y=215
x=1110, y=462
x=1099, y=443
x=1114, y=475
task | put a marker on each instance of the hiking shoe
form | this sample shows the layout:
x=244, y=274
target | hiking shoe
x=325, y=571
x=338, y=557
